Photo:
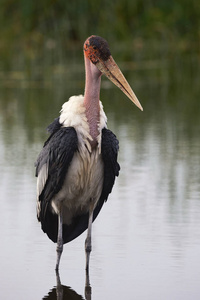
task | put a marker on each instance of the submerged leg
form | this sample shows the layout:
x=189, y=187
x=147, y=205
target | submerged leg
x=59, y=248
x=59, y=287
x=88, y=241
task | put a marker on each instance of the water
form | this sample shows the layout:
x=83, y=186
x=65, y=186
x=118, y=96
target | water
x=146, y=240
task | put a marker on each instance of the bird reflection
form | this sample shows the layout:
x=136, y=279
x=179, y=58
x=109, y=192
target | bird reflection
x=62, y=292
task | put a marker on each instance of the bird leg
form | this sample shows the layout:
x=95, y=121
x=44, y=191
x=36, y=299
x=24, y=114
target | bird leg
x=88, y=288
x=88, y=241
x=59, y=248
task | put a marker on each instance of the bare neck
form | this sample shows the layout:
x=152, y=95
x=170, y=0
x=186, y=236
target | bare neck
x=91, y=99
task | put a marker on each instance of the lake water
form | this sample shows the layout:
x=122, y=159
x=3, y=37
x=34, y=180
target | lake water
x=146, y=240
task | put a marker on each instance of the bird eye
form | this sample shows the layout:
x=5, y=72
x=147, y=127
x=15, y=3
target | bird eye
x=94, y=47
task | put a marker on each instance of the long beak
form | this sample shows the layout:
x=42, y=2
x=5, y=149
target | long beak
x=112, y=71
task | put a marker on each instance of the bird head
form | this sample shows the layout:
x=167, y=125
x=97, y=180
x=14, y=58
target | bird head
x=96, y=49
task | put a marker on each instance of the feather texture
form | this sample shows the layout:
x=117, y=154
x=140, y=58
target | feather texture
x=71, y=174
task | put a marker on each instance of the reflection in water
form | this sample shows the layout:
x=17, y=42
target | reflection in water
x=63, y=292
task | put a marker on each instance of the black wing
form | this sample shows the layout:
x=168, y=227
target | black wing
x=51, y=168
x=109, y=150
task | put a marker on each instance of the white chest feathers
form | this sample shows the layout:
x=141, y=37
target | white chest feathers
x=82, y=186
x=73, y=114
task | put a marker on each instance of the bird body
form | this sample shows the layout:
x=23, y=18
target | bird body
x=82, y=181
x=77, y=166
x=84, y=178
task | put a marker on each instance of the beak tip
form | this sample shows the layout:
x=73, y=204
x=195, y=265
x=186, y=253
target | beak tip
x=137, y=103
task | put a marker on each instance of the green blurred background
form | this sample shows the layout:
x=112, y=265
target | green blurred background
x=156, y=45
x=32, y=29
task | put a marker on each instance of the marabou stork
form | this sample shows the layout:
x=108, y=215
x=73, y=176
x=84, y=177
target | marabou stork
x=77, y=166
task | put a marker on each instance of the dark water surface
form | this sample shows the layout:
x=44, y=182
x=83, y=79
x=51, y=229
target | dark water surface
x=146, y=240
